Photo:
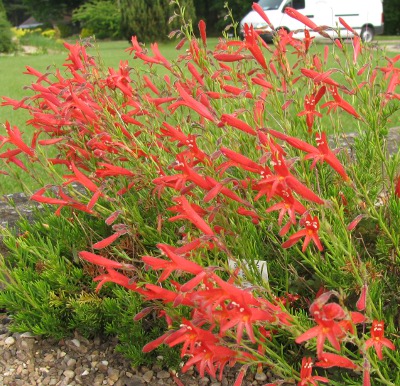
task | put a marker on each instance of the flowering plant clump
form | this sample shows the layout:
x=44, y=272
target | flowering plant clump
x=191, y=159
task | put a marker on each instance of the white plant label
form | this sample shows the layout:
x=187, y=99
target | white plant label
x=260, y=264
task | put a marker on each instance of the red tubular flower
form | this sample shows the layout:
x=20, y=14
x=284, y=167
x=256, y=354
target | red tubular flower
x=397, y=186
x=190, y=102
x=81, y=178
x=301, y=18
x=15, y=137
x=320, y=77
x=257, y=7
x=288, y=205
x=202, y=29
x=237, y=123
x=195, y=73
x=356, y=47
x=209, y=357
x=355, y=222
x=331, y=323
x=176, y=263
x=310, y=101
x=284, y=176
x=255, y=218
x=326, y=329
x=339, y=102
x=241, y=161
x=307, y=40
x=229, y=57
x=327, y=155
x=345, y=25
x=362, y=301
x=102, y=261
x=107, y=241
x=151, y=85
x=116, y=277
x=310, y=233
x=306, y=377
x=252, y=41
x=327, y=360
x=377, y=339
x=366, y=373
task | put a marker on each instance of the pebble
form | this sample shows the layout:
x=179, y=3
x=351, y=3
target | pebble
x=113, y=374
x=69, y=374
x=260, y=376
x=9, y=341
x=163, y=374
x=148, y=376
x=71, y=363
x=27, y=335
x=102, y=366
x=204, y=381
x=49, y=358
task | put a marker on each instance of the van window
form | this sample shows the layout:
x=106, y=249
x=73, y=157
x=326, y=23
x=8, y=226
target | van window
x=296, y=4
x=299, y=4
x=269, y=4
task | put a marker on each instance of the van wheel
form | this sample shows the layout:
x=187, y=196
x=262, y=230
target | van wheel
x=367, y=34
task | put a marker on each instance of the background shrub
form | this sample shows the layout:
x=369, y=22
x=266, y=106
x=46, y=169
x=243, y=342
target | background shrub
x=6, y=36
x=149, y=19
x=101, y=17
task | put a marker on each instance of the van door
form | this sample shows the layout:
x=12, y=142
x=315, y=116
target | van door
x=288, y=22
x=351, y=12
x=324, y=16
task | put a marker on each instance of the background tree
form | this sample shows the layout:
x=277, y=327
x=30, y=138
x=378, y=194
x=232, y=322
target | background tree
x=214, y=12
x=391, y=10
x=149, y=19
x=16, y=11
x=51, y=11
x=6, y=43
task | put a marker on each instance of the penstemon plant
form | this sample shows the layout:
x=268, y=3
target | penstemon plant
x=232, y=155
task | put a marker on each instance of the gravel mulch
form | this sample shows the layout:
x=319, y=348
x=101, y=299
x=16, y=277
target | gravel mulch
x=27, y=360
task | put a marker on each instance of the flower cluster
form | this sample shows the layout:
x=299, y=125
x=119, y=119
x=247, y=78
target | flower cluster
x=208, y=151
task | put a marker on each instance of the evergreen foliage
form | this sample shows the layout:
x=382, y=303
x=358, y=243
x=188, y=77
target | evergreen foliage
x=391, y=10
x=150, y=20
x=17, y=11
x=214, y=12
x=51, y=11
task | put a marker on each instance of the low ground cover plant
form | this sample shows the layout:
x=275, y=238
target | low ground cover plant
x=49, y=293
x=275, y=242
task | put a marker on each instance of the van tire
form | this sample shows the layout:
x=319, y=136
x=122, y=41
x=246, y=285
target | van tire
x=367, y=34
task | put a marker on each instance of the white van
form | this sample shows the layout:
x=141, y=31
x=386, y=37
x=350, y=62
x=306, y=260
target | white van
x=364, y=16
